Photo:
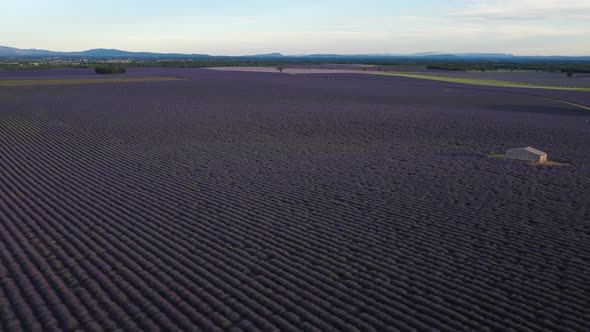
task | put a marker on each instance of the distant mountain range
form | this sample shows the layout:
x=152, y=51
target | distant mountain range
x=12, y=52
x=93, y=53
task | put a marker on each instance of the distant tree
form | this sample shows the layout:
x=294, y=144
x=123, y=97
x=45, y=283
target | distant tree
x=280, y=68
x=105, y=70
x=570, y=74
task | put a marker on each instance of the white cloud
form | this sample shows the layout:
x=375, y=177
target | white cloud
x=577, y=10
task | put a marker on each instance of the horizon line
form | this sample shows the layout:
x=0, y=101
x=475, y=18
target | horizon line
x=385, y=54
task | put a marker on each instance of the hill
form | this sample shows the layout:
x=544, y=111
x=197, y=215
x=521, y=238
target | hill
x=6, y=51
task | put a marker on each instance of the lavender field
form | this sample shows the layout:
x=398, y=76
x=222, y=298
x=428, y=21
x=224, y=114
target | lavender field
x=266, y=201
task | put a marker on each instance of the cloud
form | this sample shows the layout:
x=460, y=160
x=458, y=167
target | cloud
x=397, y=34
x=451, y=29
x=566, y=10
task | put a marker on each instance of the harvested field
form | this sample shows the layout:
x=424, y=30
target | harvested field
x=256, y=201
x=533, y=78
x=298, y=70
x=529, y=80
x=489, y=82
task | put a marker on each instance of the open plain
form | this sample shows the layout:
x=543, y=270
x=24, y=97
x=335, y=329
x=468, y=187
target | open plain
x=325, y=201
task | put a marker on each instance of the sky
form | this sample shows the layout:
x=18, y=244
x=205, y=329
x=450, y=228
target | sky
x=233, y=27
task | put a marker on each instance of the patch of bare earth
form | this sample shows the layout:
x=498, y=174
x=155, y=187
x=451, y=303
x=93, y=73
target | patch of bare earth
x=294, y=70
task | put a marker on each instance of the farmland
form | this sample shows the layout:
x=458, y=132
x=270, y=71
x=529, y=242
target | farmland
x=75, y=81
x=226, y=200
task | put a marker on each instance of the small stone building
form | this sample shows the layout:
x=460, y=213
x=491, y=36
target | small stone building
x=528, y=154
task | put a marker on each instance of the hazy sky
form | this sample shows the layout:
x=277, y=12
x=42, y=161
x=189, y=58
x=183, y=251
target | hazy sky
x=524, y=27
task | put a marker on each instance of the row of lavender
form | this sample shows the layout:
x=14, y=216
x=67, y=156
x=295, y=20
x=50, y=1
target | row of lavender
x=260, y=201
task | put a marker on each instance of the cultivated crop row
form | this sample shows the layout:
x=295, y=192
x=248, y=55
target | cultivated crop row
x=249, y=201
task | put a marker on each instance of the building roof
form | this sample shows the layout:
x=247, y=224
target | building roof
x=531, y=150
